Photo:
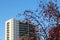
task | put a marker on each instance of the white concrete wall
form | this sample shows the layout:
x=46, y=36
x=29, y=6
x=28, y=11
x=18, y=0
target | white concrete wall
x=16, y=30
x=13, y=29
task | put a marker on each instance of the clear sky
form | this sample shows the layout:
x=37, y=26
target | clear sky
x=10, y=8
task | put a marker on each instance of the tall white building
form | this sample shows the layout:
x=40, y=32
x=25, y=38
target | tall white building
x=11, y=29
x=16, y=30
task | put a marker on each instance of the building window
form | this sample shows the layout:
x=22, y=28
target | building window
x=8, y=31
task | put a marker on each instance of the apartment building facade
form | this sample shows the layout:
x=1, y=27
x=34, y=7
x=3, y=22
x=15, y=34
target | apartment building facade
x=17, y=30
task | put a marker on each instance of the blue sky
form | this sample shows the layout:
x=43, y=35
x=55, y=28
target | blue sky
x=10, y=8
